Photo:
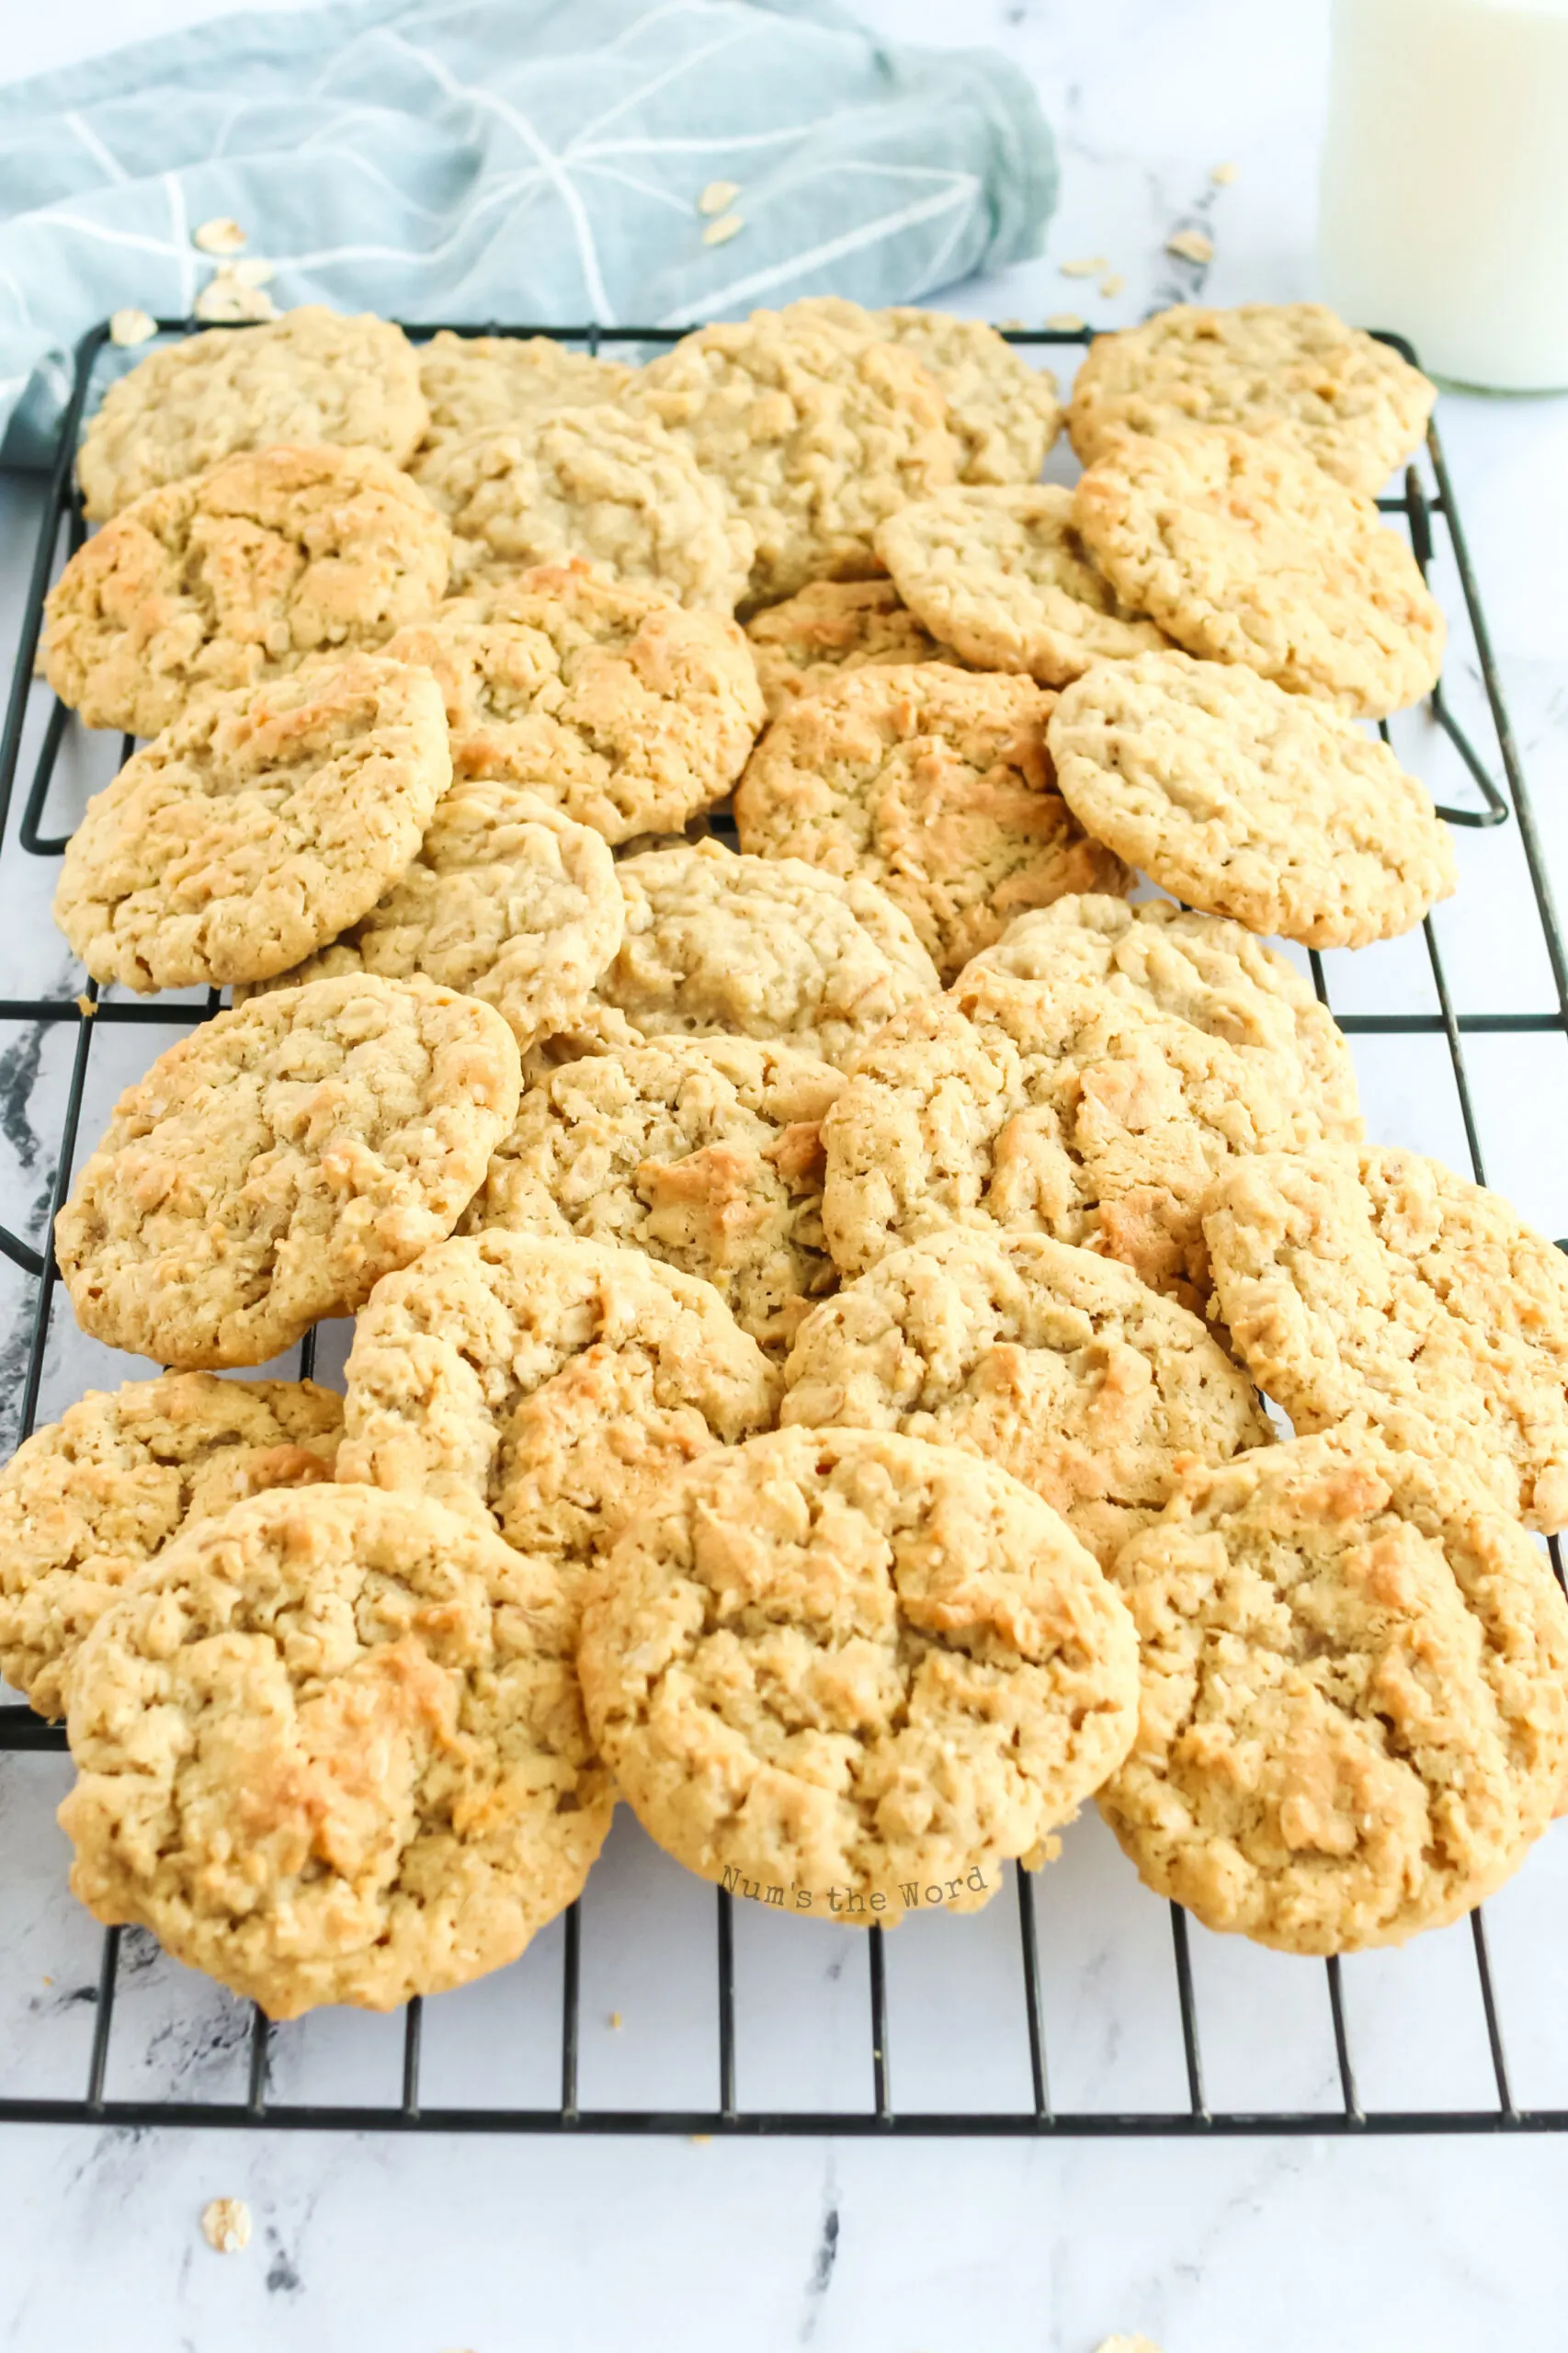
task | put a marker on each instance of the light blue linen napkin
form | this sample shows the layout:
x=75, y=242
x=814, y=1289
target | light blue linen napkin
x=506, y=159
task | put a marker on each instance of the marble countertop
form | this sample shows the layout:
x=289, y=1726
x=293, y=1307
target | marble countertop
x=480, y=2245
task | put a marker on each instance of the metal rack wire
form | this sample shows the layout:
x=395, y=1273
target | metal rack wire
x=1429, y=516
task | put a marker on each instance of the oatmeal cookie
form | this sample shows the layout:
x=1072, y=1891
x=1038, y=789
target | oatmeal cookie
x=257, y=825
x=1249, y=802
x=1354, y=1717
x=550, y=1387
x=761, y=947
x=856, y=1668
x=486, y=383
x=273, y=1163
x=704, y=1151
x=310, y=376
x=1001, y=577
x=331, y=1749
x=601, y=483
x=235, y=576
x=1386, y=1290
x=1245, y=551
x=85, y=1503
x=815, y=437
x=809, y=642
x=1061, y=1366
x=1288, y=369
x=609, y=700
x=937, y=785
x=507, y=901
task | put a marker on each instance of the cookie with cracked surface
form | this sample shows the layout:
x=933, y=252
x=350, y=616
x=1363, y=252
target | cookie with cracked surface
x=809, y=642
x=814, y=436
x=506, y=900
x=273, y=1163
x=1354, y=1717
x=1067, y=1111
x=550, y=1387
x=936, y=784
x=1243, y=551
x=235, y=576
x=1196, y=967
x=1290, y=370
x=1251, y=802
x=601, y=483
x=485, y=383
x=1061, y=1366
x=259, y=824
x=1383, y=1288
x=331, y=1749
x=852, y=1666
x=1002, y=577
x=762, y=948
x=310, y=376
x=87, y=1501
x=704, y=1151
x=609, y=700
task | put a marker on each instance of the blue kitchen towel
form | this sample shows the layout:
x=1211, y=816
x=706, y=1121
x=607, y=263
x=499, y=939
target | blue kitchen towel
x=506, y=159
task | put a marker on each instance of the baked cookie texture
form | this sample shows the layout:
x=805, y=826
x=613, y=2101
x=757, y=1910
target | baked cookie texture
x=273, y=1163
x=331, y=1749
x=1059, y=1365
x=90, y=1499
x=259, y=824
x=762, y=948
x=487, y=383
x=1245, y=551
x=851, y=1666
x=550, y=1387
x=937, y=785
x=814, y=436
x=1002, y=577
x=706, y=1152
x=609, y=700
x=1384, y=1289
x=1355, y=1696
x=601, y=483
x=506, y=900
x=1291, y=371
x=1249, y=802
x=811, y=640
x=235, y=576
x=310, y=376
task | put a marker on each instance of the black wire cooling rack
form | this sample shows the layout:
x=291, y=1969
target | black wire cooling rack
x=1430, y=516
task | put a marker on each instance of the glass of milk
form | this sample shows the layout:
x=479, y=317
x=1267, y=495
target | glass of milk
x=1443, y=207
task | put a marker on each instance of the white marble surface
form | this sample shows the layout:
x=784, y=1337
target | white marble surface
x=1295, y=2245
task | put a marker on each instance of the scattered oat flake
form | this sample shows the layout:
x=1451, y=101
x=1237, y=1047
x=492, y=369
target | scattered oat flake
x=1089, y=266
x=132, y=325
x=225, y=2225
x=1192, y=244
x=718, y=196
x=1127, y=2345
x=1111, y=287
x=251, y=270
x=1223, y=174
x=49, y=1981
x=226, y=300
x=1011, y=326
x=220, y=236
x=719, y=232
x=699, y=2139
x=1065, y=323
x=614, y=2020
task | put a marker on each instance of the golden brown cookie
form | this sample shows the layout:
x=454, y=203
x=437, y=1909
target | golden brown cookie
x=1386, y=1290
x=235, y=575
x=937, y=785
x=485, y=383
x=331, y=1749
x=1355, y=1696
x=309, y=376
x=273, y=1163
x=851, y=1674
x=1061, y=1366
x=809, y=641
x=260, y=824
x=86, y=1502
x=609, y=700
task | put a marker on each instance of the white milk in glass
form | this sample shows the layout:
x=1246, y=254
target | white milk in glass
x=1444, y=200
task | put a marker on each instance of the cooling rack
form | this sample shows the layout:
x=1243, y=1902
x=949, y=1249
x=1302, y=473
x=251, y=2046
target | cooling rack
x=265, y=2085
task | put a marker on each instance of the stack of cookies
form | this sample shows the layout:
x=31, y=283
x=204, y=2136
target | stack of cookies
x=815, y=1305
